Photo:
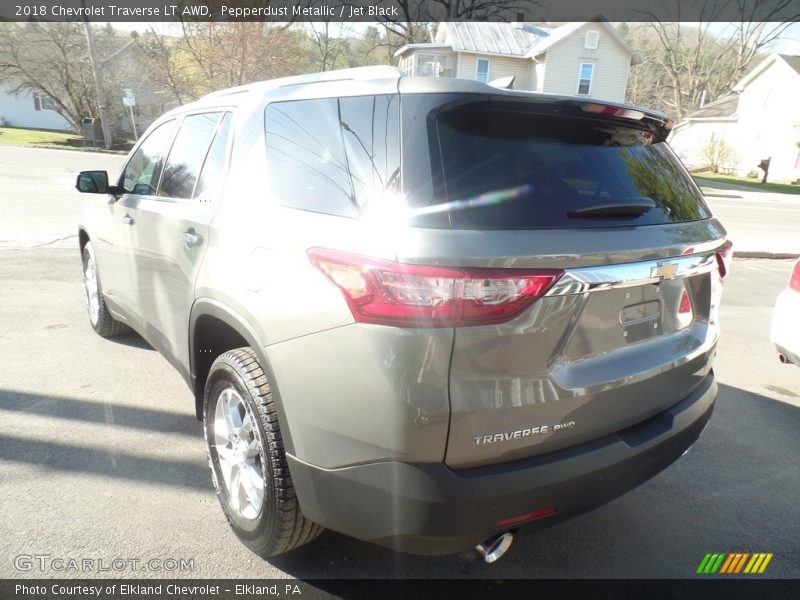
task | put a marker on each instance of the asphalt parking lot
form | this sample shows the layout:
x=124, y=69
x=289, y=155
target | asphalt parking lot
x=101, y=457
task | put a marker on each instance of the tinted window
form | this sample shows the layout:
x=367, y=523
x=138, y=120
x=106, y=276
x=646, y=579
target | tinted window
x=333, y=155
x=512, y=168
x=210, y=183
x=142, y=171
x=187, y=155
x=372, y=144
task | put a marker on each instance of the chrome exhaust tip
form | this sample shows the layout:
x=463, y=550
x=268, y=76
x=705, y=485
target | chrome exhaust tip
x=495, y=547
x=782, y=358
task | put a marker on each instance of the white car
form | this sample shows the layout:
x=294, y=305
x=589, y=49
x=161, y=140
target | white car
x=785, y=331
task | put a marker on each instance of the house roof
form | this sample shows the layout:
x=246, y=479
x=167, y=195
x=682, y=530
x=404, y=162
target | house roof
x=791, y=61
x=524, y=40
x=494, y=38
x=724, y=107
x=424, y=46
x=721, y=109
x=558, y=34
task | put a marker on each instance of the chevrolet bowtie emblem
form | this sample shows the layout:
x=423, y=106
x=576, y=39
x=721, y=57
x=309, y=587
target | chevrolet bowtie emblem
x=664, y=271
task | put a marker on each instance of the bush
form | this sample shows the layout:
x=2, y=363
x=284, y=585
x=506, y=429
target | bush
x=719, y=155
x=752, y=174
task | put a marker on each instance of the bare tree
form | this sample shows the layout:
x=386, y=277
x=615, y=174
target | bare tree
x=52, y=59
x=164, y=65
x=215, y=55
x=329, y=41
x=688, y=60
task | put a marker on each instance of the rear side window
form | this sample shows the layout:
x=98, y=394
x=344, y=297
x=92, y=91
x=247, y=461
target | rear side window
x=507, y=167
x=187, y=154
x=143, y=169
x=209, y=185
x=333, y=155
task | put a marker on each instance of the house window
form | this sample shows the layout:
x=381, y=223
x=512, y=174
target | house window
x=585, y=78
x=482, y=70
x=592, y=38
x=434, y=65
x=43, y=102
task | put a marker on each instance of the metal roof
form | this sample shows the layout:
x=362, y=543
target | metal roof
x=494, y=38
x=724, y=107
x=792, y=61
x=520, y=39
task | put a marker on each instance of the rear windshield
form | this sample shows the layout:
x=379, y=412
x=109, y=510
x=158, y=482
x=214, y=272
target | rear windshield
x=484, y=165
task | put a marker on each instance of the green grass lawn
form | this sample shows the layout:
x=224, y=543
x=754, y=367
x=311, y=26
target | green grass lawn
x=37, y=138
x=706, y=178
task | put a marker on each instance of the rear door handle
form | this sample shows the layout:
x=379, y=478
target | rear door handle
x=192, y=238
x=128, y=220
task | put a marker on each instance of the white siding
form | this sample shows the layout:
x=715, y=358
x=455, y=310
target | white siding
x=18, y=110
x=499, y=66
x=769, y=122
x=611, y=65
x=689, y=140
x=539, y=70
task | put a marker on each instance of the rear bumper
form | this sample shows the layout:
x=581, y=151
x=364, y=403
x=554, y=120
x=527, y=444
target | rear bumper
x=791, y=357
x=431, y=509
x=785, y=327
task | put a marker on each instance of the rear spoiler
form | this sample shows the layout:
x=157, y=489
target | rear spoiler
x=659, y=120
x=656, y=122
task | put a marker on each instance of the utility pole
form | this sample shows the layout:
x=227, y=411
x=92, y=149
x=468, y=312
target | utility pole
x=98, y=80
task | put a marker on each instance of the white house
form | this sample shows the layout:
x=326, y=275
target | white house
x=29, y=109
x=715, y=122
x=759, y=120
x=586, y=58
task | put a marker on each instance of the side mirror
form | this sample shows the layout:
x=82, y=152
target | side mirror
x=94, y=182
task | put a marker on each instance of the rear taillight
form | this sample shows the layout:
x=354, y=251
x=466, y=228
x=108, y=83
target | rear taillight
x=794, y=282
x=724, y=257
x=390, y=293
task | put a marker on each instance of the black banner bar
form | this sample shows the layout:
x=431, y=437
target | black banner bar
x=102, y=11
x=323, y=589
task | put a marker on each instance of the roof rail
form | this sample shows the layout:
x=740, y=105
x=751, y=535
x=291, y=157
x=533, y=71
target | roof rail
x=354, y=74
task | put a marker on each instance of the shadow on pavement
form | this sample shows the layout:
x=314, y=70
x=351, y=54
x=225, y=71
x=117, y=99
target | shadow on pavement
x=132, y=339
x=53, y=454
x=106, y=462
x=107, y=413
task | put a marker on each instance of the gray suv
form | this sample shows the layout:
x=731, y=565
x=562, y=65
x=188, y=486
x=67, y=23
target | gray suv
x=423, y=312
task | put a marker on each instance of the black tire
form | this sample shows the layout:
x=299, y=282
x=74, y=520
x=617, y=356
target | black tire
x=279, y=526
x=101, y=320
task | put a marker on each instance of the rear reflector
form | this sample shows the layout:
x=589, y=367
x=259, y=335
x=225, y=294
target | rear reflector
x=537, y=514
x=685, y=305
x=403, y=295
x=724, y=258
x=794, y=282
x=685, y=310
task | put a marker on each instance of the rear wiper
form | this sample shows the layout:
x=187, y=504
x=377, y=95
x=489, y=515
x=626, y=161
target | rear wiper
x=630, y=207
